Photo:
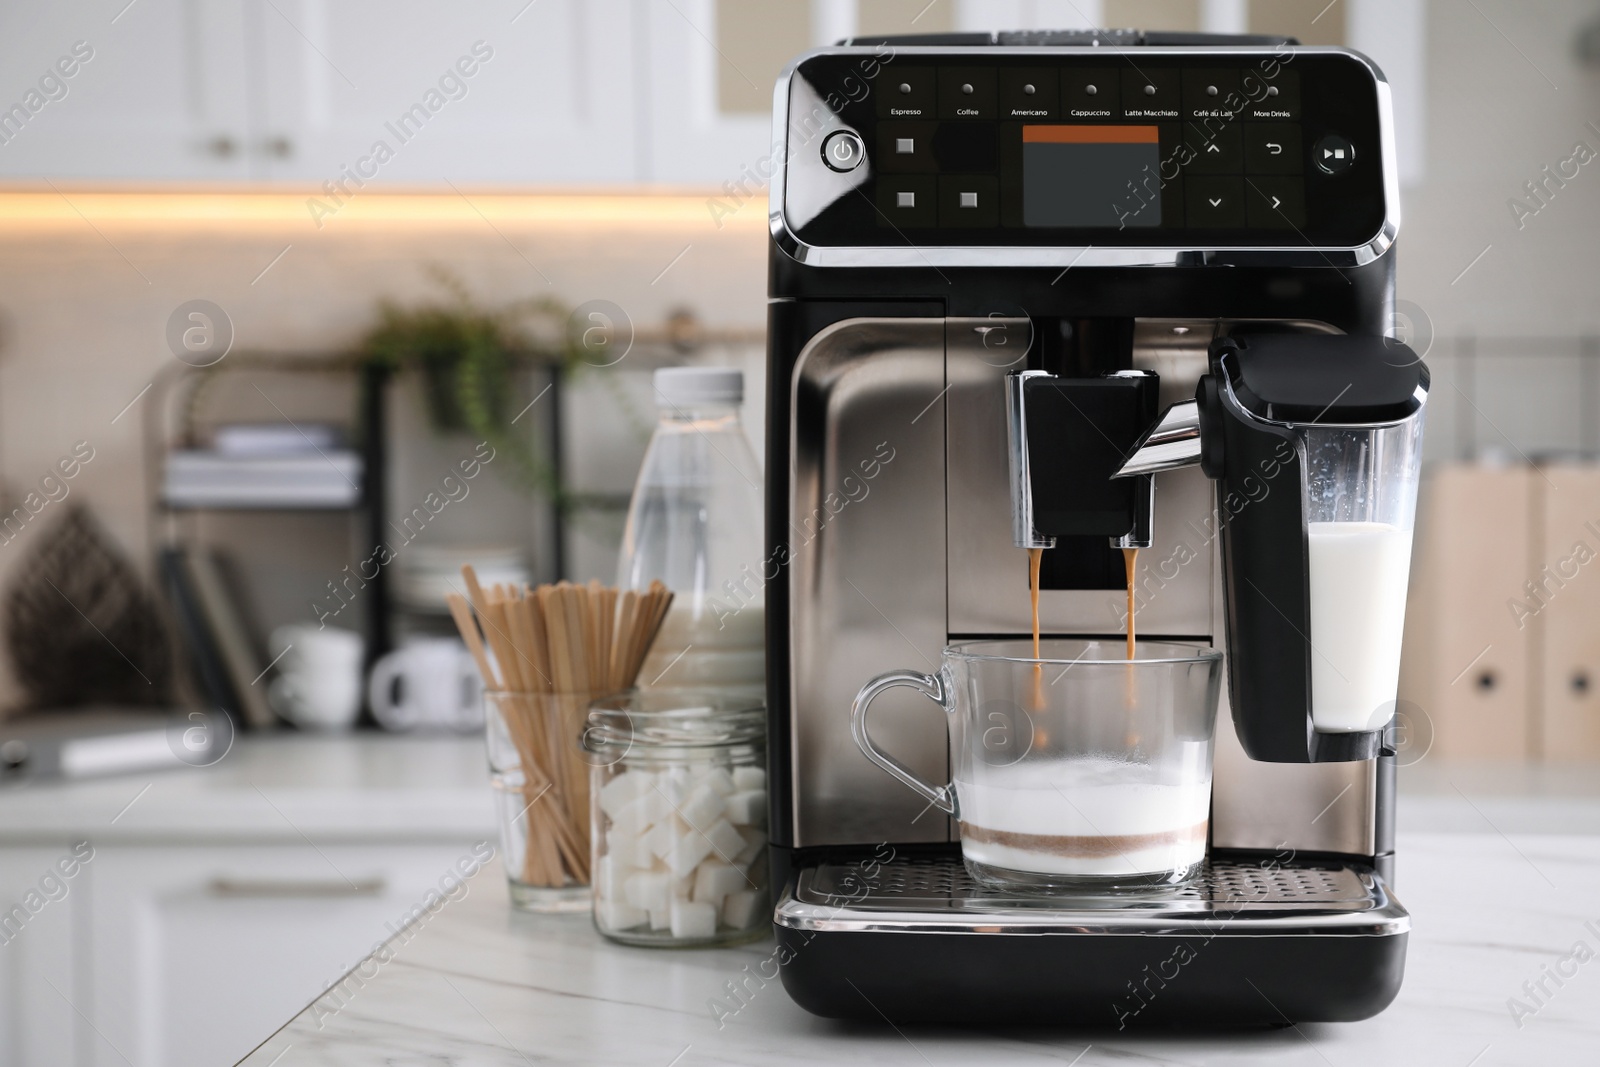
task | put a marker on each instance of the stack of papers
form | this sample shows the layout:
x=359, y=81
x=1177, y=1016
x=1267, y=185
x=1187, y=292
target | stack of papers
x=327, y=479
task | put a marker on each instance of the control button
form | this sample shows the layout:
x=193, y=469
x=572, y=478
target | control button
x=1275, y=203
x=1215, y=151
x=1273, y=97
x=1029, y=93
x=967, y=93
x=843, y=150
x=1334, y=154
x=969, y=200
x=908, y=201
x=1211, y=94
x=904, y=93
x=1090, y=94
x=1150, y=94
x=905, y=148
x=1214, y=203
x=1272, y=148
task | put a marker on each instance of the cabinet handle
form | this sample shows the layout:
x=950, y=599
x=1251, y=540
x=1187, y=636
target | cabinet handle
x=278, y=147
x=222, y=146
x=245, y=888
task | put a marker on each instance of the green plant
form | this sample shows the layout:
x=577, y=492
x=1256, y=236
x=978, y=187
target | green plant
x=466, y=355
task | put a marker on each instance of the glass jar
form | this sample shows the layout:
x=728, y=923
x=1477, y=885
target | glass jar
x=679, y=816
x=541, y=796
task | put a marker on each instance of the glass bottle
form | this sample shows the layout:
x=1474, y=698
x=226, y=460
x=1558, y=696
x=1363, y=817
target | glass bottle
x=695, y=523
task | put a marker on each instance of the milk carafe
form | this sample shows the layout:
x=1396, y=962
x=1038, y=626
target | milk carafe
x=695, y=524
x=1315, y=443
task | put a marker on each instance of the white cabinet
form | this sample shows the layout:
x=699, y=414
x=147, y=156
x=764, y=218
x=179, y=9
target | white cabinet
x=687, y=135
x=413, y=91
x=199, y=954
x=402, y=92
x=306, y=90
x=158, y=92
x=42, y=970
x=171, y=956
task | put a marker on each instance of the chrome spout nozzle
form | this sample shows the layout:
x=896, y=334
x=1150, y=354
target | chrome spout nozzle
x=1173, y=442
x=1023, y=532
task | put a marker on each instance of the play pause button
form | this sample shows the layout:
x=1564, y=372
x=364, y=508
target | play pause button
x=1334, y=154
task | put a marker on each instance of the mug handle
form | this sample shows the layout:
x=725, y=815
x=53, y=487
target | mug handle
x=931, y=686
x=390, y=713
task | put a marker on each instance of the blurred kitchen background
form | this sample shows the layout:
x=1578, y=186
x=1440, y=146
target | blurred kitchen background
x=206, y=256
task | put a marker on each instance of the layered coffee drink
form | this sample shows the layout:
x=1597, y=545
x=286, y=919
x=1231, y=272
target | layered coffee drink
x=1084, y=817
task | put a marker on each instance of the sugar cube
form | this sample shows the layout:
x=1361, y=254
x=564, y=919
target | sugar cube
x=703, y=806
x=689, y=850
x=719, y=779
x=615, y=915
x=662, y=838
x=755, y=841
x=690, y=919
x=649, y=890
x=612, y=874
x=747, y=808
x=742, y=908
x=713, y=881
x=628, y=849
x=675, y=784
x=623, y=790
x=725, y=839
x=660, y=919
x=644, y=811
x=749, y=778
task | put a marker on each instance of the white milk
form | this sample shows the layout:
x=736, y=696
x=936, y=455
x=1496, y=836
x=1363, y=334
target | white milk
x=1089, y=817
x=1358, y=609
x=725, y=650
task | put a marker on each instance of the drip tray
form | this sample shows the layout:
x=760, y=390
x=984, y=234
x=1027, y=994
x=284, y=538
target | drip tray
x=1238, y=897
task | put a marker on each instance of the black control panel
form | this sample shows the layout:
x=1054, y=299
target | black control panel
x=1262, y=148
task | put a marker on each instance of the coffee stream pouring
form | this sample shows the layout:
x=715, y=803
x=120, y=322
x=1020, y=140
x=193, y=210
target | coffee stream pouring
x=1315, y=443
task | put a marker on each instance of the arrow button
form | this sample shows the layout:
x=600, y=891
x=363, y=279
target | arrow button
x=1274, y=148
x=1274, y=203
x=1214, y=203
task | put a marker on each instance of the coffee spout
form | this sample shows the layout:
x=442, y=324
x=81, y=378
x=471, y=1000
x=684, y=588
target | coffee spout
x=1066, y=438
x=1023, y=532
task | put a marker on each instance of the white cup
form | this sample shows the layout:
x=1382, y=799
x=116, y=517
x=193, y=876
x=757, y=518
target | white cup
x=318, y=686
x=430, y=682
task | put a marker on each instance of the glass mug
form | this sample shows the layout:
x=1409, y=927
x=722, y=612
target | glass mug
x=1081, y=769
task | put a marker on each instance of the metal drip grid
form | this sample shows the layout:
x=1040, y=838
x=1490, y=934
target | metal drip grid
x=1242, y=894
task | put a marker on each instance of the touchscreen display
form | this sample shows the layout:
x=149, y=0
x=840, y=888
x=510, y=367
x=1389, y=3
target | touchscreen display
x=1091, y=176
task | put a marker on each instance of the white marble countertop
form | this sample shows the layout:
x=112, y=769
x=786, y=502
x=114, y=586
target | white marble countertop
x=479, y=984
x=363, y=787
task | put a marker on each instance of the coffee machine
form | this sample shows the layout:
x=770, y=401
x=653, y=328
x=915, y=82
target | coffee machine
x=973, y=236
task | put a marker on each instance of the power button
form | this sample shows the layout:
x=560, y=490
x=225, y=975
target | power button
x=843, y=150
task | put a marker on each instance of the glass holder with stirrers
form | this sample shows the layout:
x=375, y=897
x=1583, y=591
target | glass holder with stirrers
x=545, y=654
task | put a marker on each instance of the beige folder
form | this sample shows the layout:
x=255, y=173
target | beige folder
x=1467, y=660
x=1566, y=618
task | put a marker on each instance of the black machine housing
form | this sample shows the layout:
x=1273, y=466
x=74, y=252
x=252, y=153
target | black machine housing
x=866, y=928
